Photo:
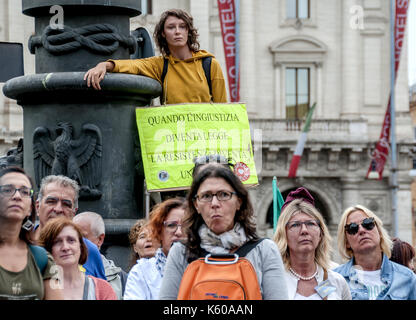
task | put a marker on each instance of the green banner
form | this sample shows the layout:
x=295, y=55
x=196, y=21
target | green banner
x=172, y=136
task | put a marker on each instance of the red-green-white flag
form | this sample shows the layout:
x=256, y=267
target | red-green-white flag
x=301, y=144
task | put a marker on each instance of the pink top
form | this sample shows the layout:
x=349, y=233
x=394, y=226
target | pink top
x=103, y=290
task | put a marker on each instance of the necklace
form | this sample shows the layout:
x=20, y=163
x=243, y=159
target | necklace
x=299, y=277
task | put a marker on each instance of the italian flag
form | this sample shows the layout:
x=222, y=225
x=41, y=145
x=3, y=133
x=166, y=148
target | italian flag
x=301, y=144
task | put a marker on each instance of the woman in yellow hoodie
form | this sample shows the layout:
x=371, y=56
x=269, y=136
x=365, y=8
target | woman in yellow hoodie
x=185, y=81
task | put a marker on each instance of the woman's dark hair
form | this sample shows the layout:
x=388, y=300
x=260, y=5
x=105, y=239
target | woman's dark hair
x=160, y=40
x=402, y=252
x=25, y=235
x=193, y=220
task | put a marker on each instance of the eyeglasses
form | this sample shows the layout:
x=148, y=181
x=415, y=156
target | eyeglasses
x=9, y=191
x=221, y=196
x=172, y=226
x=367, y=223
x=297, y=225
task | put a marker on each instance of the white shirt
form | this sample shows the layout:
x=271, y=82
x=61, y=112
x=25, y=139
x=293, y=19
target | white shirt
x=143, y=281
x=336, y=282
x=314, y=296
x=372, y=281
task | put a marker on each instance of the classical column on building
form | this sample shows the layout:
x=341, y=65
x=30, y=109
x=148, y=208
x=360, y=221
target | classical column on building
x=248, y=56
x=351, y=61
x=350, y=186
x=404, y=195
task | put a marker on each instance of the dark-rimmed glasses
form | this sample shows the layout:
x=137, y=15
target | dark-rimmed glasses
x=9, y=190
x=172, y=226
x=367, y=223
x=221, y=196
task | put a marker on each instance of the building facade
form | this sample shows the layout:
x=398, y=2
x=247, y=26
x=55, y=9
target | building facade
x=295, y=53
x=14, y=27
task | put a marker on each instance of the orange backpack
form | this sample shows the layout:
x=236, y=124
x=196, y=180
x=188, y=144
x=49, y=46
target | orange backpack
x=221, y=277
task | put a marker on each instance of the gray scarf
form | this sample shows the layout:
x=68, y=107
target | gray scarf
x=224, y=242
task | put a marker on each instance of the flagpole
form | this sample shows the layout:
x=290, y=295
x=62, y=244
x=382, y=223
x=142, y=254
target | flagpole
x=275, y=213
x=394, y=185
x=237, y=49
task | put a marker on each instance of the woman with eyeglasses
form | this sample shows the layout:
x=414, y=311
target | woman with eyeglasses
x=369, y=273
x=220, y=220
x=26, y=271
x=305, y=245
x=165, y=223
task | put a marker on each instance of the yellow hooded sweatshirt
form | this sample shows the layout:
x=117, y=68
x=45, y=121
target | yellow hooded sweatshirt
x=185, y=80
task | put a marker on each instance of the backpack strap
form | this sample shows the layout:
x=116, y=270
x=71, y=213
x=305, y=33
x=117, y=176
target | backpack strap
x=247, y=247
x=242, y=251
x=162, y=78
x=40, y=256
x=206, y=65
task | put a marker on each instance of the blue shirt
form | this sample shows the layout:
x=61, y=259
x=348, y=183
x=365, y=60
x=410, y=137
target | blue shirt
x=94, y=265
x=400, y=281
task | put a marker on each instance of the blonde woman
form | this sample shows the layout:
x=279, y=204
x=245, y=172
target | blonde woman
x=304, y=243
x=369, y=273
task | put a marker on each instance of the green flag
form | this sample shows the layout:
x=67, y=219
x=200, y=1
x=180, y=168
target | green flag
x=277, y=203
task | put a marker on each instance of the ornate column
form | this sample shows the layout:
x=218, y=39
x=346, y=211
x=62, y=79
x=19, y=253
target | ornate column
x=350, y=192
x=351, y=69
x=69, y=129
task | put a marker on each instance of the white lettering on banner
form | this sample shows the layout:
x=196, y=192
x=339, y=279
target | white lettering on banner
x=402, y=4
x=228, y=28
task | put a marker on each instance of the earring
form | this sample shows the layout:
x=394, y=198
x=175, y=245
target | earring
x=28, y=225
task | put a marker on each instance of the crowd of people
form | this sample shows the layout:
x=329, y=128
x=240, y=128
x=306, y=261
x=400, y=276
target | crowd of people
x=49, y=259
x=204, y=241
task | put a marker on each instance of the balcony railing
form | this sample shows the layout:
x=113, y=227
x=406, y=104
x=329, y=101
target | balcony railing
x=322, y=129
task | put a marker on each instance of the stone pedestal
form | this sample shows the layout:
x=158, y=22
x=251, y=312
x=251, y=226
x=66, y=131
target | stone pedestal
x=88, y=135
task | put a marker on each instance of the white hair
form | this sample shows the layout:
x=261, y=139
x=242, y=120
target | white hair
x=61, y=180
x=94, y=219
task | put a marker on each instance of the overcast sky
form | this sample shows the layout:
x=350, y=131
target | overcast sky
x=412, y=42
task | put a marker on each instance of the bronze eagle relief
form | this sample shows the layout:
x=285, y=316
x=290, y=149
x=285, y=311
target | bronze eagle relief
x=55, y=151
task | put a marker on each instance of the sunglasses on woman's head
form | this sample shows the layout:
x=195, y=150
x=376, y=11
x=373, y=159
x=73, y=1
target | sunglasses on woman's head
x=368, y=224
